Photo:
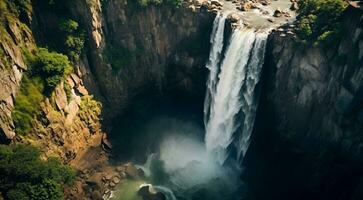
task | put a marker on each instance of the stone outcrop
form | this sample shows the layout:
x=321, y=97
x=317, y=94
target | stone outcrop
x=309, y=125
x=13, y=36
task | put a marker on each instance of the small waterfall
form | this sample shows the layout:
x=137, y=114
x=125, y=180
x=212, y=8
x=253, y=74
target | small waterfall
x=230, y=101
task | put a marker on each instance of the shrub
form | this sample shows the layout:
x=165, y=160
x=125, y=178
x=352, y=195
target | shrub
x=23, y=175
x=52, y=67
x=73, y=37
x=320, y=20
x=46, y=71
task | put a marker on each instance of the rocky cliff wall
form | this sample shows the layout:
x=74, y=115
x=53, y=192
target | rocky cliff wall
x=135, y=49
x=309, y=125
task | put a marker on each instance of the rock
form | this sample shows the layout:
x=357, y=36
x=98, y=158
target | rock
x=294, y=6
x=60, y=97
x=96, y=195
x=148, y=192
x=217, y=3
x=265, y=2
x=119, y=169
x=246, y=6
x=95, y=180
x=8, y=133
x=131, y=171
x=233, y=17
x=141, y=172
x=116, y=179
x=82, y=90
x=112, y=184
x=278, y=13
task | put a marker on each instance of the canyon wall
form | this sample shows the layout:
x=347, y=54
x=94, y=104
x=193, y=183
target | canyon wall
x=141, y=49
x=309, y=125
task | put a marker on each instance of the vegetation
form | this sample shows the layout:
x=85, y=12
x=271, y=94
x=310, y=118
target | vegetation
x=25, y=176
x=320, y=20
x=89, y=111
x=73, y=37
x=46, y=71
x=27, y=104
x=51, y=67
x=118, y=57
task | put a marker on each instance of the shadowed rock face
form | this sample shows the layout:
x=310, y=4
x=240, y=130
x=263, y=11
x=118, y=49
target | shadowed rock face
x=308, y=136
x=166, y=49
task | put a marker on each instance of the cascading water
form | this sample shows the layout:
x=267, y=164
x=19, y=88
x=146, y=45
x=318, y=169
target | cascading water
x=216, y=41
x=233, y=94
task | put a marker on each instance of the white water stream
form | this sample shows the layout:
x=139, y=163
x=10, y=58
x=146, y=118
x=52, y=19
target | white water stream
x=231, y=103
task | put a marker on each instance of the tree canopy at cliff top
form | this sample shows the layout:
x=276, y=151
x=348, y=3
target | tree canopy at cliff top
x=320, y=20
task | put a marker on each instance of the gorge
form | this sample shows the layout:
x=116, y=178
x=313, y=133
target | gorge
x=198, y=100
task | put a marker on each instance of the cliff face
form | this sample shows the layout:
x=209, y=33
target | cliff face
x=153, y=48
x=13, y=35
x=310, y=117
x=68, y=120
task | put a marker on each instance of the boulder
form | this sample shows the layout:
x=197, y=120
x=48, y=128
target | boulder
x=131, y=171
x=148, y=192
x=294, y=6
x=278, y=13
x=233, y=18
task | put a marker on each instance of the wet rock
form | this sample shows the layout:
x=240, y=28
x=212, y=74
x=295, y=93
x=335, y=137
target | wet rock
x=141, y=172
x=233, y=18
x=131, y=171
x=148, y=193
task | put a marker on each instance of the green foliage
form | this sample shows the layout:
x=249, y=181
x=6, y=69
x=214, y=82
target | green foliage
x=24, y=176
x=118, y=57
x=73, y=37
x=27, y=104
x=46, y=71
x=319, y=20
x=52, y=67
x=89, y=112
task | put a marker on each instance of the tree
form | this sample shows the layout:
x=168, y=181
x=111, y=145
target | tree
x=24, y=175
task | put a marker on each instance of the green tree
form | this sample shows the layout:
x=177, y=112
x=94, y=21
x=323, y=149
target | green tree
x=52, y=67
x=320, y=20
x=24, y=175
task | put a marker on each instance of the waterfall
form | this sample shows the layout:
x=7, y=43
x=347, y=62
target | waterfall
x=216, y=41
x=231, y=102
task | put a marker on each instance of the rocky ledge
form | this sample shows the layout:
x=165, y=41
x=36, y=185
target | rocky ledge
x=255, y=13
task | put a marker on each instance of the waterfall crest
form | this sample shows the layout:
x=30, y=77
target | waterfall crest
x=231, y=102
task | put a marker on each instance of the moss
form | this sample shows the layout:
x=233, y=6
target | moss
x=27, y=104
x=89, y=112
x=68, y=90
x=118, y=57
